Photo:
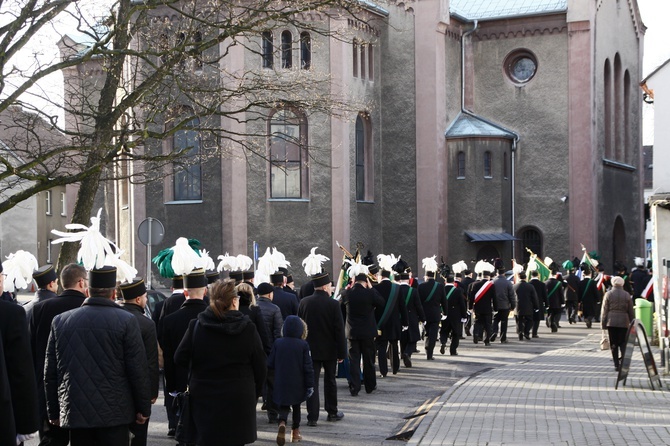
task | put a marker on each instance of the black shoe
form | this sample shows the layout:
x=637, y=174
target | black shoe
x=588, y=324
x=520, y=337
x=172, y=432
x=535, y=336
x=372, y=390
x=335, y=416
x=494, y=336
x=527, y=337
x=503, y=341
x=311, y=423
x=382, y=375
x=430, y=358
x=475, y=339
x=443, y=348
x=453, y=354
x=353, y=392
x=467, y=333
x=487, y=343
x=406, y=360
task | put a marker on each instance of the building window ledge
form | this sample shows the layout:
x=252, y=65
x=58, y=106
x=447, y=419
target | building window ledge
x=184, y=202
x=299, y=200
x=619, y=165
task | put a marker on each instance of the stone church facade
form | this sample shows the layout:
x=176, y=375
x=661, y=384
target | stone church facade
x=487, y=129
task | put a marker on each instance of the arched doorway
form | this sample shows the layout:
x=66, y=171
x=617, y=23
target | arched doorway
x=488, y=253
x=530, y=238
x=619, y=242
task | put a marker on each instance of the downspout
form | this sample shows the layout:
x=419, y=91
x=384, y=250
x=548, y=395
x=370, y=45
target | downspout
x=515, y=141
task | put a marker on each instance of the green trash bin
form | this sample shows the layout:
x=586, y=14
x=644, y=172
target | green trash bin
x=644, y=312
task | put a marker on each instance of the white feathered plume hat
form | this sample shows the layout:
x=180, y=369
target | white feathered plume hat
x=459, y=267
x=312, y=264
x=18, y=268
x=386, y=263
x=430, y=266
x=357, y=270
x=484, y=268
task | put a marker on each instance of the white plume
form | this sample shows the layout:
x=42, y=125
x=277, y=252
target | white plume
x=124, y=271
x=19, y=268
x=532, y=264
x=459, y=267
x=429, y=264
x=548, y=261
x=266, y=264
x=356, y=268
x=227, y=263
x=94, y=246
x=517, y=268
x=479, y=267
x=488, y=267
x=386, y=262
x=639, y=261
x=207, y=261
x=184, y=258
x=312, y=263
x=594, y=262
x=280, y=259
x=244, y=262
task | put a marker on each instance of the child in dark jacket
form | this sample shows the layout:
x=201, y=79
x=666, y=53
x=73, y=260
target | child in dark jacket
x=294, y=375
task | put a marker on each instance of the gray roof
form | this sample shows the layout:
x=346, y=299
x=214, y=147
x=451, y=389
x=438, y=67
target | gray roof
x=373, y=7
x=475, y=237
x=467, y=125
x=495, y=9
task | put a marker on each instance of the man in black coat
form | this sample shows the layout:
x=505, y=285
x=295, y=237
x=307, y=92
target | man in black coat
x=555, y=299
x=391, y=321
x=571, y=298
x=96, y=376
x=526, y=304
x=505, y=302
x=434, y=301
x=466, y=283
x=19, y=410
x=47, y=285
x=74, y=279
x=287, y=302
x=358, y=306
x=541, y=291
x=174, y=301
x=456, y=312
x=327, y=343
x=587, y=293
x=134, y=301
x=482, y=299
x=171, y=330
x=415, y=316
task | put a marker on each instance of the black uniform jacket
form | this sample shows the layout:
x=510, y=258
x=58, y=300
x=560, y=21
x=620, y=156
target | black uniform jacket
x=358, y=306
x=325, y=326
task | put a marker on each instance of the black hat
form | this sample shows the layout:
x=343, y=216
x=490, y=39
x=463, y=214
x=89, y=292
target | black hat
x=212, y=276
x=247, y=275
x=283, y=270
x=104, y=277
x=289, y=278
x=196, y=279
x=466, y=272
x=134, y=289
x=400, y=266
x=498, y=264
x=386, y=273
x=585, y=267
x=320, y=279
x=403, y=276
x=178, y=282
x=373, y=269
x=265, y=288
x=238, y=276
x=553, y=267
x=430, y=273
x=44, y=275
x=277, y=277
x=620, y=267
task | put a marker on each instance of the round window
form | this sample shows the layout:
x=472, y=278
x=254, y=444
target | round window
x=520, y=66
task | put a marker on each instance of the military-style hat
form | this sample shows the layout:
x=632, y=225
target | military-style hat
x=134, y=289
x=289, y=278
x=196, y=279
x=247, y=275
x=277, y=277
x=320, y=279
x=283, y=270
x=403, y=276
x=265, y=288
x=44, y=275
x=212, y=276
x=178, y=282
x=104, y=277
x=238, y=276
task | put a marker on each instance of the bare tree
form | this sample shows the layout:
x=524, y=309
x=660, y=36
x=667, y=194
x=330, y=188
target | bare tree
x=138, y=72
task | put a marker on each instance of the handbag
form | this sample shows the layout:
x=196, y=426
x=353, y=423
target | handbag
x=605, y=341
x=185, y=432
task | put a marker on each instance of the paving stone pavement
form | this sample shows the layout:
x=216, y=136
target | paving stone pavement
x=562, y=397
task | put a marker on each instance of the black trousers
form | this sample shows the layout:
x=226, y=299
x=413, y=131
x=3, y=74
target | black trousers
x=268, y=389
x=362, y=348
x=170, y=409
x=571, y=309
x=554, y=318
x=617, y=337
x=500, y=319
x=453, y=328
x=431, y=337
x=51, y=435
x=329, y=389
x=482, y=328
x=524, y=324
x=382, y=346
x=283, y=415
x=100, y=436
x=140, y=433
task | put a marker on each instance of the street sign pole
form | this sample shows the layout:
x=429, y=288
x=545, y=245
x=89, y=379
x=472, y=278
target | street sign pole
x=149, y=257
x=150, y=232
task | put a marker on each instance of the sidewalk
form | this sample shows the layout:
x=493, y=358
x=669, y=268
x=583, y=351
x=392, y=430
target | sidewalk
x=564, y=396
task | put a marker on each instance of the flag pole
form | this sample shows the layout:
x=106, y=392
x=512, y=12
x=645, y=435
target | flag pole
x=345, y=254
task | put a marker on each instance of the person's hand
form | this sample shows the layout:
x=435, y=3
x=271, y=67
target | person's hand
x=405, y=328
x=464, y=320
x=443, y=317
x=153, y=400
x=55, y=422
x=309, y=393
x=340, y=361
x=140, y=419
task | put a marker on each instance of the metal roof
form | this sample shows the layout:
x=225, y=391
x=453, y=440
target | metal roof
x=468, y=125
x=475, y=237
x=495, y=9
x=373, y=7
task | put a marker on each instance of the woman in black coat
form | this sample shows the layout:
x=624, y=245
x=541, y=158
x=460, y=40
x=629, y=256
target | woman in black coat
x=228, y=367
x=248, y=306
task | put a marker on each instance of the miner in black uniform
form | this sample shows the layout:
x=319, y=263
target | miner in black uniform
x=481, y=298
x=434, y=301
x=526, y=305
x=415, y=316
x=571, y=287
x=588, y=295
x=391, y=320
x=541, y=291
x=466, y=283
x=554, y=298
x=456, y=312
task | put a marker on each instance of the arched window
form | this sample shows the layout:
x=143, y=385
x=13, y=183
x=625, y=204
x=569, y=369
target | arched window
x=618, y=108
x=288, y=155
x=460, y=167
x=187, y=171
x=305, y=51
x=355, y=51
x=607, y=118
x=363, y=60
x=626, y=119
x=488, y=252
x=531, y=238
x=286, y=49
x=360, y=159
x=267, y=50
x=488, y=169
x=371, y=62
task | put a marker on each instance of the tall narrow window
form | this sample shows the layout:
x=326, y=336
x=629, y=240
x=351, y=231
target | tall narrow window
x=608, y=110
x=626, y=118
x=286, y=49
x=362, y=61
x=488, y=171
x=371, y=62
x=355, y=60
x=531, y=239
x=49, y=244
x=618, y=108
x=187, y=172
x=48, y=202
x=288, y=174
x=267, y=50
x=197, y=52
x=63, y=204
x=460, y=168
x=305, y=51
x=360, y=159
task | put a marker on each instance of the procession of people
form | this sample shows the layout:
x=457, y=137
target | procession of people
x=234, y=336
